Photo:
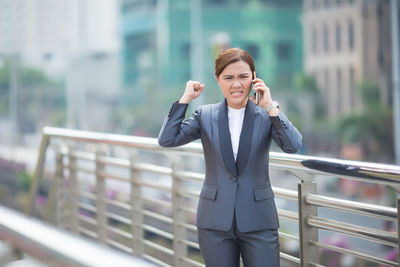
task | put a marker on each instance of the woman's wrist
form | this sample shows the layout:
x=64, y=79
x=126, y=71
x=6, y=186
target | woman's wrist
x=266, y=103
x=274, y=112
x=185, y=100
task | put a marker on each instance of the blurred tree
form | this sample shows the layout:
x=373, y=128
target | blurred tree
x=34, y=77
x=4, y=74
x=371, y=128
x=307, y=85
x=307, y=102
x=141, y=112
x=38, y=98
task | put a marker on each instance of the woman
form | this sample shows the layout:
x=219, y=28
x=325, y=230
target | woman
x=236, y=214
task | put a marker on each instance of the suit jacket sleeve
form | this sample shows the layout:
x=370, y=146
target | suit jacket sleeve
x=176, y=131
x=285, y=135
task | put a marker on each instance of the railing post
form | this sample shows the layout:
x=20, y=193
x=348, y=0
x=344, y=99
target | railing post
x=73, y=191
x=52, y=199
x=101, y=205
x=62, y=197
x=308, y=252
x=179, y=216
x=37, y=175
x=136, y=209
x=398, y=228
x=58, y=193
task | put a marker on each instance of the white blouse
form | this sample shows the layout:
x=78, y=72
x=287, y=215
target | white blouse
x=235, y=118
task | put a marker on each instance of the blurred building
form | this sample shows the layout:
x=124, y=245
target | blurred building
x=346, y=42
x=76, y=41
x=167, y=42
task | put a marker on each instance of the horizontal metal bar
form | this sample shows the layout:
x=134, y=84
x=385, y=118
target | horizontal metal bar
x=108, y=175
x=119, y=218
x=156, y=261
x=82, y=183
x=80, y=169
x=289, y=215
x=119, y=140
x=190, y=210
x=79, y=154
x=157, y=202
x=189, y=193
x=124, y=163
x=87, y=232
x=366, y=233
x=119, y=231
x=87, y=194
x=376, y=211
x=285, y=193
x=158, y=247
x=155, y=186
x=158, y=231
x=191, y=262
x=289, y=236
x=289, y=257
x=193, y=176
x=86, y=219
x=87, y=207
x=190, y=243
x=365, y=171
x=188, y=226
x=119, y=245
x=118, y=204
x=157, y=216
x=55, y=246
x=354, y=253
x=146, y=167
x=113, y=202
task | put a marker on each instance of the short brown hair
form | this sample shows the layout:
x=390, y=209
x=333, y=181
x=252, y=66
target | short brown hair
x=232, y=55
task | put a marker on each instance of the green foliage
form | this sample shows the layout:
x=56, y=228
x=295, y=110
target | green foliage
x=33, y=77
x=4, y=75
x=369, y=93
x=372, y=127
x=293, y=112
x=4, y=91
x=307, y=86
x=23, y=181
x=41, y=100
x=57, y=118
x=305, y=83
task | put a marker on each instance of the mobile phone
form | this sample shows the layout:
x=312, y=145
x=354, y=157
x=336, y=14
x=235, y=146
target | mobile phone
x=256, y=94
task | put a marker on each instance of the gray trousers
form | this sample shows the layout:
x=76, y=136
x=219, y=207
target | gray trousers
x=223, y=248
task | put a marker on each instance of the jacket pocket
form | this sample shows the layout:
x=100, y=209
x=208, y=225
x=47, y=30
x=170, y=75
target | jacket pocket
x=263, y=193
x=208, y=192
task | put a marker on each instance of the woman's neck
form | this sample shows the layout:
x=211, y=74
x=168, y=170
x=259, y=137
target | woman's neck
x=239, y=105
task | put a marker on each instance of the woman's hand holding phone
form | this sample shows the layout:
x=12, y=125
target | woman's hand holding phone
x=260, y=88
x=193, y=90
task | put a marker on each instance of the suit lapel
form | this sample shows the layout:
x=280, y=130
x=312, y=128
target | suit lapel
x=246, y=137
x=225, y=139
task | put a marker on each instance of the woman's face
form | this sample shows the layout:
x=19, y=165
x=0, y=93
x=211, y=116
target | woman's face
x=235, y=82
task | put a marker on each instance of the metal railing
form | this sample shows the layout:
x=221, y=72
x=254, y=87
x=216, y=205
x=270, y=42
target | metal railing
x=161, y=228
x=56, y=247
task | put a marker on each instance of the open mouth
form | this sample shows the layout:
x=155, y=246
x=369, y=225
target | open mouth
x=237, y=93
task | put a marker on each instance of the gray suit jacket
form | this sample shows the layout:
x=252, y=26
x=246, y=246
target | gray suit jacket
x=244, y=185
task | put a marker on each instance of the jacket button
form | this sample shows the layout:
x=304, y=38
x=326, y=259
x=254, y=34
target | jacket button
x=234, y=179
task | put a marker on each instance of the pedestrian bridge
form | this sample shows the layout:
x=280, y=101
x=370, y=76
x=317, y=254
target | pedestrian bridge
x=130, y=194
